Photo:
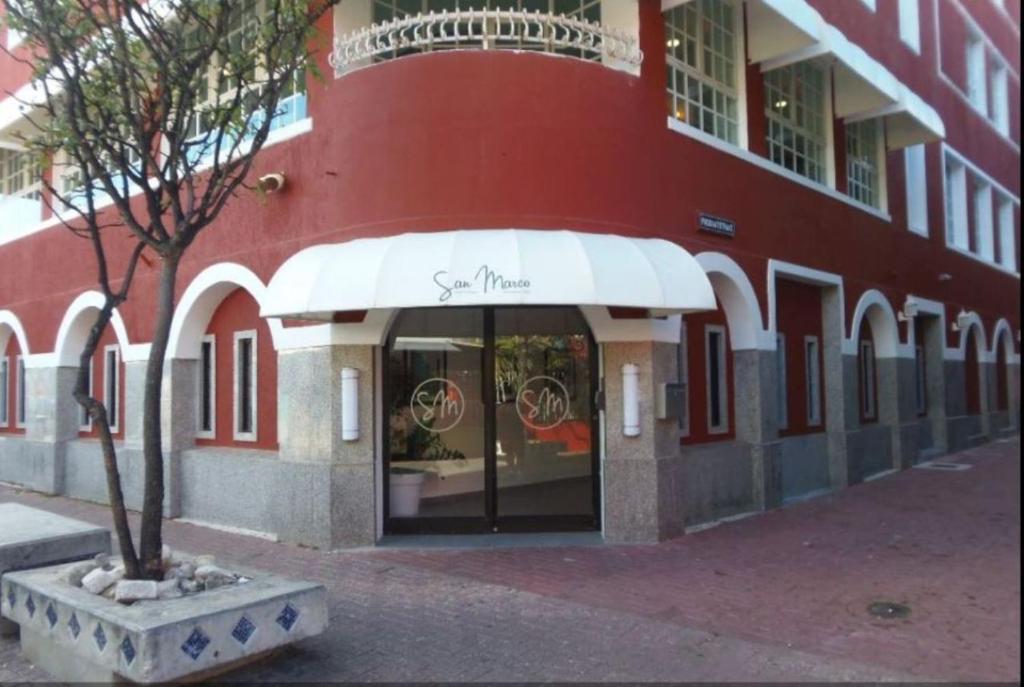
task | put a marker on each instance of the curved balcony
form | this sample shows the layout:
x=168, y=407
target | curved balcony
x=516, y=30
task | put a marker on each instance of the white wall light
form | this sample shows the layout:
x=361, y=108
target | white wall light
x=630, y=400
x=349, y=404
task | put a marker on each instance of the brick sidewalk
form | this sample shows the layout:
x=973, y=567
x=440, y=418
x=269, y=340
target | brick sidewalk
x=780, y=596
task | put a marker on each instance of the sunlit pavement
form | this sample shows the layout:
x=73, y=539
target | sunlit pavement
x=778, y=596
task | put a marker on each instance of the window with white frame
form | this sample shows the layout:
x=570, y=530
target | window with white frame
x=245, y=386
x=5, y=402
x=867, y=380
x=781, y=389
x=701, y=51
x=921, y=385
x=863, y=162
x=19, y=175
x=870, y=4
x=910, y=24
x=717, y=385
x=206, y=421
x=795, y=109
x=977, y=88
x=683, y=377
x=112, y=385
x=84, y=419
x=916, y=178
x=984, y=241
x=1007, y=235
x=999, y=106
x=20, y=399
x=955, y=189
x=812, y=379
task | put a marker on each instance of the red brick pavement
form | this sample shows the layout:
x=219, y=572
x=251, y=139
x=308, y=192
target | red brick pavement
x=780, y=596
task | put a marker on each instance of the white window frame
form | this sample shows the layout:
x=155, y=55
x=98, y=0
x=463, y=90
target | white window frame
x=870, y=4
x=782, y=395
x=916, y=181
x=683, y=376
x=249, y=334
x=827, y=161
x=984, y=238
x=868, y=411
x=5, y=388
x=20, y=393
x=876, y=147
x=112, y=374
x=812, y=381
x=976, y=66
x=84, y=419
x=999, y=95
x=212, y=392
x=910, y=24
x=723, y=378
x=920, y=381
x=1007, y=234
x=954, y=192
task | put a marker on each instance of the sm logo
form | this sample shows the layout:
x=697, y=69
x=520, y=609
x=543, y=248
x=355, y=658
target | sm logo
x=437, y=404
x=542, y=403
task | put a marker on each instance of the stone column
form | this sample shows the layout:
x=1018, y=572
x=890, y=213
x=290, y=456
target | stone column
x=936, y=381
x=897, y=390
x=839, y=378
x=643, y=495
x=309, y=433
x=757, y=422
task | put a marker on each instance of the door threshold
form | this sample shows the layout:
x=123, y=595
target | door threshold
x=532, y=540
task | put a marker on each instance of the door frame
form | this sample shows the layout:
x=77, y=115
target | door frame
x=491, y=522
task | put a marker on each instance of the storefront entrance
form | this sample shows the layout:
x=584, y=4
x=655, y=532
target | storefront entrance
x=491, y=421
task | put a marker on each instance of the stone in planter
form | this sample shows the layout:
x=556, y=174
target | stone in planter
x=31, y=538
x=77, y=636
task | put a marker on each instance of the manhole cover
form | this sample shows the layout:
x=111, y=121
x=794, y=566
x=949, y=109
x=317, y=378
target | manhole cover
x=889, y=609
x=949, y=467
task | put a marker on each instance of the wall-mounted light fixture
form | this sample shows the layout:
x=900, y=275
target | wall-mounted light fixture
x=271, y=183
x=630, y=400
x=945, y=276
x=963, y=321
x=909, y=310
x=349, y=404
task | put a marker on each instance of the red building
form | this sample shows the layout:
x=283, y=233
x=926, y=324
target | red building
x=616, y=265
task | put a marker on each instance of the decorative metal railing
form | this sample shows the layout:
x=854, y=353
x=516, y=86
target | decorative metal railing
x=486, y=30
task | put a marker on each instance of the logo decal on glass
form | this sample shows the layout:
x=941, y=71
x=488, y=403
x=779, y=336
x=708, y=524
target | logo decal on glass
x=437, y=404
x=542, y=402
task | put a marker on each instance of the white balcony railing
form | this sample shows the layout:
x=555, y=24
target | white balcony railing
x=485, y=30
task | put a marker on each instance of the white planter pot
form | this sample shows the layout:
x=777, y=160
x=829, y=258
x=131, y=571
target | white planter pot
x=405, y=492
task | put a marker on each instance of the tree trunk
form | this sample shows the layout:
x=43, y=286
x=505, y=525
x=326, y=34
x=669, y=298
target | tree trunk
x=98, y=413
x=151, y=538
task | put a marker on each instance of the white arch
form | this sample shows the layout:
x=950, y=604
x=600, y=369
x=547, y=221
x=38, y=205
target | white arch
x=10, y=324
x=975, y=324
x=739, y=300
x=74, y=329
x=1003, y=333
x=876, y=307
x=200, y=300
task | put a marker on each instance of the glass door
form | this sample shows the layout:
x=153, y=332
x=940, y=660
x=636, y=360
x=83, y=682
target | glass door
x=491, y=421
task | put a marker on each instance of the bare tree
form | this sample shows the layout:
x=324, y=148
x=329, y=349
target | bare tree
x=149, y=119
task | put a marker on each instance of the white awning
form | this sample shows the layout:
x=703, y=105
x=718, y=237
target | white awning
x=488, y=267
x=908, y=122
x=780, y=27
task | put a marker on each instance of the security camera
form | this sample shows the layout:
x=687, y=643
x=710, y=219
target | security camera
x=270, y=183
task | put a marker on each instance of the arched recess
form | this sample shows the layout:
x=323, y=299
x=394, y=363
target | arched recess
x=977, y=328
x=738, y=299
x=1003, y=354
x=202, y=297
x=10, y=326
x=876, y=307
x=74, y=328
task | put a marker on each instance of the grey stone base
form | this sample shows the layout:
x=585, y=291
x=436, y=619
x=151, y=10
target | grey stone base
x=38, y=465
x=643, y=502
x=869, y=451
x=964, y=431
x=717, y=481
x=86, y=476
x=804, y=465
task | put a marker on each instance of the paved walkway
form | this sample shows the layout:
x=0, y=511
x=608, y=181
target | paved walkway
x=781, y=596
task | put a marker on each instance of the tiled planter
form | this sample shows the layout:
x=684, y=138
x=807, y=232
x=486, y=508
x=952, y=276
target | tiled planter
x=77, y=636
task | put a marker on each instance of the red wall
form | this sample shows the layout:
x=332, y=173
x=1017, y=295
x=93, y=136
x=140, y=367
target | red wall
x=799, y=316
x=696, y=359
x=99, y=367
x=11, y=353
x=239, y=312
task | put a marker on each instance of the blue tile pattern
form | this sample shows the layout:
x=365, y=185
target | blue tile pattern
x=243, y=630
x=100, y=636
x=287, y=617
x=195, y=644
x=128, y=650
x=31, y=606
x=73, y=626
x=11, y=596
x=51, y=615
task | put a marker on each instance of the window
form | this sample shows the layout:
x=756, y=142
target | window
x=999, y=111
x=84, y=419
x=19, y=175
x=1007, y=242
x=956, y=204
x=683, y=376
x=870, y=4
x=111, y=385
x=910, y=25
x=867, y=380
x=245, y=386
x=780, y=368
x=717, y=390
x=976, y=86
x=984, y=243
x=862, y=162
x=917, y=189
x=20, y=391
x=5, y=375
x=795, y=108
x=812, y=374
x=207, y=420
x=921, y=386
x=701, y=43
